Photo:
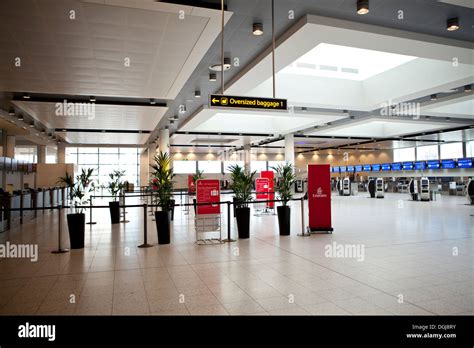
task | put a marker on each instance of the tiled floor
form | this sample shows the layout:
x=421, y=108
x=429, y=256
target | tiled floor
x=418, y=260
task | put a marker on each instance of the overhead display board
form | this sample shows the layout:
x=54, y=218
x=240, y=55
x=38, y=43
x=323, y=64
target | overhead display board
x=367, y=168
x=465, y=163
x=433, y=165
x=230, y=101
x=420, y=165
x=448, y=164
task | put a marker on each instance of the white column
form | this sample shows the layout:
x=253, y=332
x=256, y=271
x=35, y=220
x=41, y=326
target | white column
x=10, y=146
x=61, y=153
x=247, y=157
x=164, y=140
x=41, y=153
x=290, y=148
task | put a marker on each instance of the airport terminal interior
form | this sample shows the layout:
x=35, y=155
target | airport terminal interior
x=260, y=158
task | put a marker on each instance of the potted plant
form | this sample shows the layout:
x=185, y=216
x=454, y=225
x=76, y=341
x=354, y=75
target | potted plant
x=115, y=186
x=284, y=180
x=79, y=195
x=242, y=182
x=162, y=184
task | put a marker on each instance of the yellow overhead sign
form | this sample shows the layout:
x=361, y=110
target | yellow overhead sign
x=247, y=102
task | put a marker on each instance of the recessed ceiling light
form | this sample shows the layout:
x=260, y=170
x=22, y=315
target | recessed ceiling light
x=257, y=29
x=12, y=112
x=212, y=77
x=64, y=130
x=171, y=121
x=24, y=128
x=433, y=97
x=176, y=117
x=20, y=118
x=197, y=94
x=32, y=125
x=452, y=24
x=26, y=96
x=152, y=101
x=218, y=67
x=467, y=88
x=362, y=7
x=43, y=132
x=92, y=99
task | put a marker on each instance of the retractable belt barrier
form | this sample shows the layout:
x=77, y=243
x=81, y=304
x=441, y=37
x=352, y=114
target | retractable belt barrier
x=146, y=206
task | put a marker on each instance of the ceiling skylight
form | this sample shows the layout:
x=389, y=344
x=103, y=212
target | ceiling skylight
x=342, y=62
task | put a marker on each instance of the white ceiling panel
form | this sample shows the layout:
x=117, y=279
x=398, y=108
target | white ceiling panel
x=377, y=128
x=99, y=43
x=85, y=138
x=263, y=122
x=330, y=63
x=112, y=117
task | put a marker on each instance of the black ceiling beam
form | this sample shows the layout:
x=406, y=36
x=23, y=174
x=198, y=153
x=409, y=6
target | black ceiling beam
x=201, y=145
x=213, y=5
x=125, y=131
x=46, y=98
x=225, y=134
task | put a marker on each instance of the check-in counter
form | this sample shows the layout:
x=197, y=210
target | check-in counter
x=37, y=199
x=26, y=204
x=46, y=198
x=15, y=203
x=54, y=197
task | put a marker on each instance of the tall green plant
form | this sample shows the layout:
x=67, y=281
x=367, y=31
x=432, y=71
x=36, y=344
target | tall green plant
x=198, y=175
x=162, y=181
x=241, y=185
x=285, y=178
x=115, y=185
x=68, y=181
x=83, y=189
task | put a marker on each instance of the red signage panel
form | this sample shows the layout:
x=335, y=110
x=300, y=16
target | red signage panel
x=208, y=191
x=319, y=197
x=269, y=174
x=262, y=188
x=191, y=185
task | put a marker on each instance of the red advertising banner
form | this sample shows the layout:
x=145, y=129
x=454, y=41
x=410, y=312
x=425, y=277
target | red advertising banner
x=269, y=174
x=208, y=191
x=191, y=185
x=262, y=188
x=319, y=197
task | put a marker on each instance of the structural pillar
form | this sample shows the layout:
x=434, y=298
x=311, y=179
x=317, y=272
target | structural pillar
x=164, y=141
x=247, y=157
x=10, y=146
x=41, y=153
x=290, y=149
x=61, y=153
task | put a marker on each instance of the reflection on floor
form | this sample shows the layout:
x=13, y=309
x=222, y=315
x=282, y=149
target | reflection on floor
x=414, y=258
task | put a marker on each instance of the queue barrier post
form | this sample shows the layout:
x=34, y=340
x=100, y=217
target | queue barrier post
x=90, y=213
x=59, y=250
x=303, y=228
x=228, y=239
x=123, y=209
x=145, y=228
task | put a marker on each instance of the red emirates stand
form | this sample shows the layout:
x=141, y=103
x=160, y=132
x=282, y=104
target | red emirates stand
x=262, y=188
x=208, y=191
x=268, y=174
x=319, y=198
